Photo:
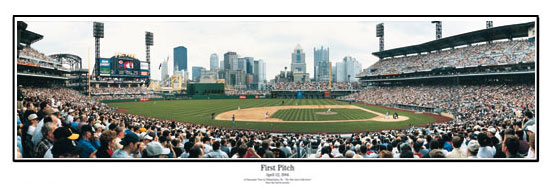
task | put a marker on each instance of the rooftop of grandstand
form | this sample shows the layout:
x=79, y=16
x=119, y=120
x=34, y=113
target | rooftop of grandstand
x=484, y=35
x=27, y=37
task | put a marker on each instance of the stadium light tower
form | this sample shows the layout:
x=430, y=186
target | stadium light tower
x=149, y=42
x=98, y=32
x=380, y=33
x=489, y=24
x=438, y=29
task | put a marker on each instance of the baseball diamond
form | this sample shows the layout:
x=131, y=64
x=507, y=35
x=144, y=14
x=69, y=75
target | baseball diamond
x=349, y=118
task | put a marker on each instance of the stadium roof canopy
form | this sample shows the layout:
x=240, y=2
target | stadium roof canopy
x=25, y=36
x=484, y=35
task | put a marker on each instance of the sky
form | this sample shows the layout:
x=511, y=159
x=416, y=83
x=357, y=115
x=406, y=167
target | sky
x=269, y=40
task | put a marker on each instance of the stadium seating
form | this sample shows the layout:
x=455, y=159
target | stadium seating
x=496, y=53
x=481, y=112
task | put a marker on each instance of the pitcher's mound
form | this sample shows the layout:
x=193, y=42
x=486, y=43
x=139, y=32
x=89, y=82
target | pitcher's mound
x=326, y=113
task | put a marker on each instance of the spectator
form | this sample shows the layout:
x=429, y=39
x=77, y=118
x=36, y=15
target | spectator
x=130, y=148
x=156, y=150
x=383, y=154
x=486, y=149
x=436, y=153
x=65, y=148
x=47, y=140
x=207, y=144
x=456, y=152
x=120, y=132
x=107, y=144
x=472, y=149
x=59, y=134
x=88, y=141
x=49, y=116
x=196, y=152
x=216, y=152
x=187, y=147
x=406, y=151
x=510, y=147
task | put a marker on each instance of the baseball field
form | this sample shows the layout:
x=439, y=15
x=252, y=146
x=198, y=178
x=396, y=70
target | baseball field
x=279, y=115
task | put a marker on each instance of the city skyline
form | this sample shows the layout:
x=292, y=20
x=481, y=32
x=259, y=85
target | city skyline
x=269, y=41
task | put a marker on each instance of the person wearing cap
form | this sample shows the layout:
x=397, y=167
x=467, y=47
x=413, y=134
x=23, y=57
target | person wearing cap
x=472, y=149
x=59, y=134
x=31, y=128
x=130, y=148
x=166, y=143
x=156, y=150
x=88, y=141
x=99, y=128
x=70, y=116
x=47, y=140
x=65, y=148
x=49, y=116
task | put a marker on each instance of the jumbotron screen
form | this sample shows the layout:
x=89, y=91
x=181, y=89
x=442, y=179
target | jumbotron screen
x=124, y=67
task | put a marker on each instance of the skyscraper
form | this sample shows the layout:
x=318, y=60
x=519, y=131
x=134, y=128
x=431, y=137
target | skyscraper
x=180, y=59
x=261, y=74
x=230, y=58
x=241, y=64
x=348, y=69
x=197, y=73
x=249, y=65
x=320, y=64
x=213, y=61
x=298, y=65
x=298, y=60
x=164, y=71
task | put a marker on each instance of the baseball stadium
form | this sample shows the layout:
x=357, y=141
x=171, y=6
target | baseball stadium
x=468, y=96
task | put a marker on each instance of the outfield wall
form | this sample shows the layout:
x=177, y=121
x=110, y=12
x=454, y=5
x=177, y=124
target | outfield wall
x=193, y=97
x=132, y=100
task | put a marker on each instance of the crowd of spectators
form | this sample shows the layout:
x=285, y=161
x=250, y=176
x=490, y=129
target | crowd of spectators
x=32, y=53
x=246, y=92
x=496, y=53
x=112, y=93
x=315, y=86
x=121, y=91
x=56, y=123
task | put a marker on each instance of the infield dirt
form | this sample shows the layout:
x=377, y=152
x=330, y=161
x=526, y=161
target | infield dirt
x=258, y=114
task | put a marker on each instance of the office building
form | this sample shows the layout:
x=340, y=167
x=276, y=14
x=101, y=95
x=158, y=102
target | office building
x=180, y=59
x=213, y=61
x=320, y=64
x=197, y=73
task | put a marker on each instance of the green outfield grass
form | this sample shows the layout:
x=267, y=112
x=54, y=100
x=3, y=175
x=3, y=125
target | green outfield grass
x=199, y=111
x=311, y=114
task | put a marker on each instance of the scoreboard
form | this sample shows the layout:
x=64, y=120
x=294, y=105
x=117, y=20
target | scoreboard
x=123, y=67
